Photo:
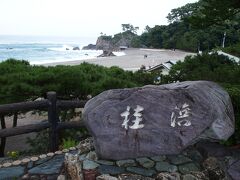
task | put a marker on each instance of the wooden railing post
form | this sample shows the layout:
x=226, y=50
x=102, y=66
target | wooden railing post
x=3, y=139
x=15, y=118
x=53, y=120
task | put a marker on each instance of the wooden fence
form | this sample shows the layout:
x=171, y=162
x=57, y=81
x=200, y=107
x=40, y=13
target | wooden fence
x=52, y=106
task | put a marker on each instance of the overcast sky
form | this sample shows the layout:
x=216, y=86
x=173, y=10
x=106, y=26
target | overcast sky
x=81, y=18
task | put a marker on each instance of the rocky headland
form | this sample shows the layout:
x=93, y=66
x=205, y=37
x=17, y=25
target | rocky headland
x=109, y=43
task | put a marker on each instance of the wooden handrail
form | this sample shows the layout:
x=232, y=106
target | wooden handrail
x=23, y=106
x=41, y=104
x=70, y=125
x=64, y=104
x=52, y=105
x=8, y=132
x=23, y=129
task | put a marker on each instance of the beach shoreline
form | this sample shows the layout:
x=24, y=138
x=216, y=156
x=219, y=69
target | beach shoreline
x=133, y=59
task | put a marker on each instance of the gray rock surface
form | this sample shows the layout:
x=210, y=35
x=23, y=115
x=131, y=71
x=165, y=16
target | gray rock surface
x=141, y=171
x=194, y=155
x=109, y=43
x=87, y=164
x=158, y=120
x=52, y=166
x=104, y=43
x=89, y=47
x=61, y=177
x=82, y=157
x=106, y=54
x=11, y=172
x=168, y=176
x=40, y=161
x=159, y=158
x=30, y=165
x=234, y=170
x=112, y=170
x=105, y=162
x=166, y=167
x=145, y=162
x=189, y=177
x=129, y=176
x=92, y=155
x=180, y=159
x=126, y=162
x=76, y=48
x=213, y=168
x=188, y=168
x=106, y=177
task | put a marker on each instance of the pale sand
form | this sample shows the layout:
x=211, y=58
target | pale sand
x=133, y=59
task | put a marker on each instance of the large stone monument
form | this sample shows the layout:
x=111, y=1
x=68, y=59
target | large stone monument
x=156, y=120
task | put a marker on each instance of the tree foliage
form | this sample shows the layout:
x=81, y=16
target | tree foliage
x=234, y=50
x=129, y=28
x=183, y=13
x=215, y=12
x=193, y=27
x=196, y=26
x=20, y=81
x=212, y=67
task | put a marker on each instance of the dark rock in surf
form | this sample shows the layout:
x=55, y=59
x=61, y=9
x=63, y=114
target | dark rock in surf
x=76, y=48
x=107, y=54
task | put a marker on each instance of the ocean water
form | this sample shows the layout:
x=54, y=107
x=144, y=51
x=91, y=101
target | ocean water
x=43, y=49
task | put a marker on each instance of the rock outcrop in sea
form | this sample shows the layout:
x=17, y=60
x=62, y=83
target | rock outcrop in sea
x=89, y=47
x=104, y=43
x=109, y=43
x=76, y=48
x=106, y=54
x=113, y=43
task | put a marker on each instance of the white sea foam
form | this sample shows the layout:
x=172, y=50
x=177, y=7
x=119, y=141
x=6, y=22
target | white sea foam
x=41, y=62
x=63, y=48
x=85, y=55
x=119, y=53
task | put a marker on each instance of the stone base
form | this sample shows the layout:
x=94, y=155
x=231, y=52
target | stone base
x=197, y=163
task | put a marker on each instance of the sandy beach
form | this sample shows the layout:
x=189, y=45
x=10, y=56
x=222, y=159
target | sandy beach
x=133, y=59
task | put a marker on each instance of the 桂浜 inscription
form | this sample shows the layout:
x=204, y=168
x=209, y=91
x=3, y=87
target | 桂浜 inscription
x=156, y=120
x=180, y=116
x=136, y=122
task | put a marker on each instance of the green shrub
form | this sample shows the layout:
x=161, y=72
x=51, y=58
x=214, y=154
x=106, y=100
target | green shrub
x=20, y=81
x=13, y=154
x=39, y=144
x=234, y=49
x=68, y=142
x=107, y=38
